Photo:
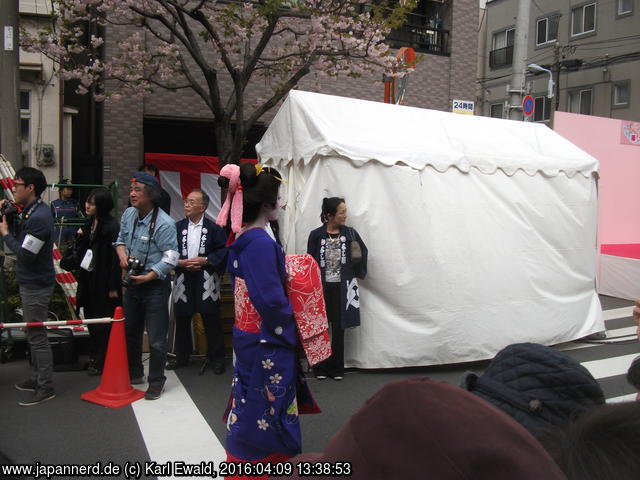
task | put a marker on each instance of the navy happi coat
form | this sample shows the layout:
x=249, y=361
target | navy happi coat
x=199, y=291
x=349, y=288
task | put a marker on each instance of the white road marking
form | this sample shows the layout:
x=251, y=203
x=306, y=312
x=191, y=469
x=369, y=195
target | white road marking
x=174, y=429
x=614, y=335
x=615, y=313
x=624, y=398
x=610, y=367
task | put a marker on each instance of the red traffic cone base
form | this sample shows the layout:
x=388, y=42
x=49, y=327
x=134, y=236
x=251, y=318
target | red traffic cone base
x=115, y=388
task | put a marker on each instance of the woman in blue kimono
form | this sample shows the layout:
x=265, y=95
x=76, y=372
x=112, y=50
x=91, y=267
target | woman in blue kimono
x=268, y=387
x=330, y=245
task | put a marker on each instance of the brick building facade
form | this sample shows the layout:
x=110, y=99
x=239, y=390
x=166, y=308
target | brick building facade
x=165, y=121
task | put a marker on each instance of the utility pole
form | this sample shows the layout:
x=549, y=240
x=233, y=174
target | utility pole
x=519, y=64
x=10, y=83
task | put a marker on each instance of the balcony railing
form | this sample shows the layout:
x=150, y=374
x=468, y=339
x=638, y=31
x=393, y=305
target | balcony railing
x=421, y=39
x=501, y=57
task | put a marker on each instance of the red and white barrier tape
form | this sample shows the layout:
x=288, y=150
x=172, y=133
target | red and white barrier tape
x=87, y=321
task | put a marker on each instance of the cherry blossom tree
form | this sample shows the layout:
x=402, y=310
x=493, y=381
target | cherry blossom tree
x=218, y=48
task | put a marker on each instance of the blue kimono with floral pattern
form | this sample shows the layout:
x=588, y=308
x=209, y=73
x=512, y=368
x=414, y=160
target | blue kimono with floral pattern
x=268, y=386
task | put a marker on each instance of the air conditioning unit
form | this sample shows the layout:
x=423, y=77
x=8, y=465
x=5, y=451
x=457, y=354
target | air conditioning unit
x=44, y=155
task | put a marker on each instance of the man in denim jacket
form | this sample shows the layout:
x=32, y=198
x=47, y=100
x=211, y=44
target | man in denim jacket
x=147, y=237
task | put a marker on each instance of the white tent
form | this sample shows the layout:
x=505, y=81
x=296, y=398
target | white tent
x=481, y=232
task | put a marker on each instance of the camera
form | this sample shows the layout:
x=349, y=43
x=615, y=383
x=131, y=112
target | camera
x=134, y=267
x=8, y=208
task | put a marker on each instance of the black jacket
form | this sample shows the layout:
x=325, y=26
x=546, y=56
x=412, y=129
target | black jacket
x=538, y=386
x=34, y=268
x=94, y=286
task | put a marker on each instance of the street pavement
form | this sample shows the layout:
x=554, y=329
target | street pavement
x=186, y=424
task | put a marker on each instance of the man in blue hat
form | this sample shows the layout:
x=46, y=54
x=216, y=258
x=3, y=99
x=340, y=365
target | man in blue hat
x=147, y=247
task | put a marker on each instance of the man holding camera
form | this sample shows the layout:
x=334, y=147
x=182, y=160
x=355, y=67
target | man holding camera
x=32, y=243
x=197, y=287
x=147, y=248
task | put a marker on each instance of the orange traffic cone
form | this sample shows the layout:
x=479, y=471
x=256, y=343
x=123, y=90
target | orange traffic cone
x=115, y=389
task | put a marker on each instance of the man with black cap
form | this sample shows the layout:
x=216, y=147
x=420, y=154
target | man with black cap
x=65, y=209
x=147, y=247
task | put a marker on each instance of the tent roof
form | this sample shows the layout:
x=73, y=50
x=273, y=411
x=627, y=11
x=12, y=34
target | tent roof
x=311, y=124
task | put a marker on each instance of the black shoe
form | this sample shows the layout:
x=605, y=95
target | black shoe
x=320, y=376
x=154, y=392
x=26, y=386
x=218, y=368
x=39, y=396
x=93, y=371
x=137, y=380
x=338, y=378
x=175, y=364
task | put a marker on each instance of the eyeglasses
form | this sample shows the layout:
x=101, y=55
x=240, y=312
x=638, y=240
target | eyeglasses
x=15, y=184
x=192, y=203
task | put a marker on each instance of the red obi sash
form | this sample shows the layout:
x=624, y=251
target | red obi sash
x=304, y=288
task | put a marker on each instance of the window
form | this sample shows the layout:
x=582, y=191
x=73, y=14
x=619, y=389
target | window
x=504, y=38
x=625, y=7
x=621, y=94
x=547, y=30
x=495, y=110
x=580, y=101
x=583, y=19
x=25, y=126
x=501, y=54
x=542, y=111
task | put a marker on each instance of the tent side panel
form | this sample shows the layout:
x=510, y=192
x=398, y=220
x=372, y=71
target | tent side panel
x=460, y=265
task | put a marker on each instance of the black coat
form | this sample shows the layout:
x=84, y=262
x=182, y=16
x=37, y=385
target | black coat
x=94, y=286
x=349, y=288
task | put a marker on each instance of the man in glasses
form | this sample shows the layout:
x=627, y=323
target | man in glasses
x=201, y=244
x=31, y=240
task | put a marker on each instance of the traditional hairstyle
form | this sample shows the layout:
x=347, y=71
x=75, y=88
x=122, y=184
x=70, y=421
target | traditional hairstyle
x=103, y=201
x=33, y=176
x=602, y=445
x=205, y=197
x=330, y=207
x=633, y=375
x=248, y=187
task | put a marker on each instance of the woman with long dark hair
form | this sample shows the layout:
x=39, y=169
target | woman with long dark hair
x=99, y=290
x=268, y=391
x=332, y=245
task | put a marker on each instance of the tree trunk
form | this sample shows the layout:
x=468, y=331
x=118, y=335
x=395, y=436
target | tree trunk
x=229, y=148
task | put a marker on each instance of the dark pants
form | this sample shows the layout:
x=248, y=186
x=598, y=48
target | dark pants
x=147, y=306
x=212, y=330
x=35, y=308
x=334, y=365
x=99, y=336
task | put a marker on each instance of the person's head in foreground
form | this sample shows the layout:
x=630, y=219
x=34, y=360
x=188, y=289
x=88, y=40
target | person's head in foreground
x=602, y=445
x=423, y=429
x=633, y=376
x=536, y=385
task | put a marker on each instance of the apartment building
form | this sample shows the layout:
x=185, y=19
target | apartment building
x=591, y=47
x=444, y=31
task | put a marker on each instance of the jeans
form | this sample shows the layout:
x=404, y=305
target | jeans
x=147, y=306
x=35, y=307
